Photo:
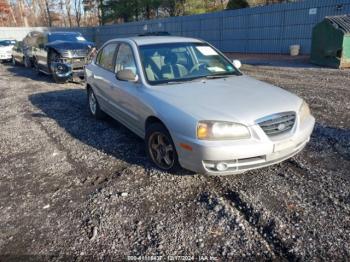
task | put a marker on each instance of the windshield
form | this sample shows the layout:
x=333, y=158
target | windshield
x=7, y=42
x=177, y=62
x=71, y=37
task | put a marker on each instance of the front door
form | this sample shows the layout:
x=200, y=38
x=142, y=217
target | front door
x=125, y=96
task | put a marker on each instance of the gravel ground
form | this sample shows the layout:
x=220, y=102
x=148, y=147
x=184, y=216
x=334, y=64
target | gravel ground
x=73, y=188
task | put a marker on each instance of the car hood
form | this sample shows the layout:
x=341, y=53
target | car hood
x=238, y=98
x=6, y=48
x=68, y=45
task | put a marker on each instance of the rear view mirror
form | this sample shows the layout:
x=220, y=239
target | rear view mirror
x=127, y=75
x=237, y=64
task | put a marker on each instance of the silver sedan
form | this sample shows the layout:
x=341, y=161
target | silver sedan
x=194, y=107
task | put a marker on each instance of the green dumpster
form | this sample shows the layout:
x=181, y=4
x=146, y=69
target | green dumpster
x=331, y=42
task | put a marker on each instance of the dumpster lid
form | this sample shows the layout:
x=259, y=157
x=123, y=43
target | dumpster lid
x=341, y=22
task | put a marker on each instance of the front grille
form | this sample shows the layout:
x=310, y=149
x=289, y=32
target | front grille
x=78, y=63
x=75, y=53
x=277, y=124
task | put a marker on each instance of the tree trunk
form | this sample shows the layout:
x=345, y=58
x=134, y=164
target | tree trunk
x=68, y=9
x=49, y=19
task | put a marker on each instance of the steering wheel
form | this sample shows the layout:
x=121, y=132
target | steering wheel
x=198, y=67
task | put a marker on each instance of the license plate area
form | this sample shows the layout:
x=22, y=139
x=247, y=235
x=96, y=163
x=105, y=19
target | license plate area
x=281, y=146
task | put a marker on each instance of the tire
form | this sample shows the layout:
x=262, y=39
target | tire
x=94, y=107
x=58, y=79
x=26, y=62
x=54, y=57
x=160, y=148
x=36, y=67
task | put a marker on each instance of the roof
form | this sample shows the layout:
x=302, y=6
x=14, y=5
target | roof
x=63, y=33
x=146, y=40
x=341, y=22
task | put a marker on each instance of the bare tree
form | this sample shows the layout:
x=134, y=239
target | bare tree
x=48, y=12
x=78, y=11
x=68, y=10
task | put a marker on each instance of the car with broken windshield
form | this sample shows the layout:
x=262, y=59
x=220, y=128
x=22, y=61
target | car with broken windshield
x=193, y=106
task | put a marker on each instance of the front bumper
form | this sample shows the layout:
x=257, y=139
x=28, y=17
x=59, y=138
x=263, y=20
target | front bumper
x=243, y=155
x=66, y=71
x=5, y=56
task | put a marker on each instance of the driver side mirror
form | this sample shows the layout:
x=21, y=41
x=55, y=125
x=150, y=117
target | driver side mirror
x=127, y=75
x=237, y=63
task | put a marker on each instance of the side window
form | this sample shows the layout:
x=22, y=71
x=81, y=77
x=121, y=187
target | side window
x=125, y=59
x=106, y=55
x=40, y=41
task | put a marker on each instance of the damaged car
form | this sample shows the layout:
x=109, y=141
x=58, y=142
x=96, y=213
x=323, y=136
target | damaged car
x=61, y=54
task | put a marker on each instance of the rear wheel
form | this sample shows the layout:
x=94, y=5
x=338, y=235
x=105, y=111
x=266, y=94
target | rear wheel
x=161, y=149
x=94, y=107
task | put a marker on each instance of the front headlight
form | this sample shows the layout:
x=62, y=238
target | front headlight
x=304, y=111
x=220, y=130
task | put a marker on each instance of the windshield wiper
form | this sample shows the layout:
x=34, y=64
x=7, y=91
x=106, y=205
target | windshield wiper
x=171, y=82
x=217, y=76
x=193, y=79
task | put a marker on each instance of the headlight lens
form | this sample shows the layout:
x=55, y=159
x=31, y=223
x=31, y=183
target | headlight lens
x=220, y=130
x=304, y=111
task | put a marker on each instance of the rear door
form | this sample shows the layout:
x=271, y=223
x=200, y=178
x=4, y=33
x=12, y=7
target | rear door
x=40, y=51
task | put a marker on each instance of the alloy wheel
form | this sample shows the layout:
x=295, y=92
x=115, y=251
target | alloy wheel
x=92, y=103
x=161, y=150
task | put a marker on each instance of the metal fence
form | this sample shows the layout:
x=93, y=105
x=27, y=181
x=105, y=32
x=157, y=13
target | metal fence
x=266, y=29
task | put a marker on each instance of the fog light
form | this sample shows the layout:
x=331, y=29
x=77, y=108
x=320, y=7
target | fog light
x=221, y=166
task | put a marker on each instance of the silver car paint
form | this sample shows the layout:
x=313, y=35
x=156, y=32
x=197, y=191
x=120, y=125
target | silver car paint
x=180, y=106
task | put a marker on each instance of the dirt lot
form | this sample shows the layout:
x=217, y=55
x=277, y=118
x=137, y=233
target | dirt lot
x=73, y=188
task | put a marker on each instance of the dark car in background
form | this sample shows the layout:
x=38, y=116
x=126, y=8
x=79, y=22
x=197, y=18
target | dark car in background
x=62, y=54
x=18, y=56
x=28, y=48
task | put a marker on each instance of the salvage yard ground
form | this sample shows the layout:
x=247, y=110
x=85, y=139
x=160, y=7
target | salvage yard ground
x=72, y=187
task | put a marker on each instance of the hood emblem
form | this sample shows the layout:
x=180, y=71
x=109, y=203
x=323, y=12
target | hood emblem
x=281, y=126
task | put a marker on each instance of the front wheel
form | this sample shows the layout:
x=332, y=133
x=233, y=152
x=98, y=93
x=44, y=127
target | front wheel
x=58, y=79
x=60, y=71
x=36, y=67
x=26, y=62
x=161, y=149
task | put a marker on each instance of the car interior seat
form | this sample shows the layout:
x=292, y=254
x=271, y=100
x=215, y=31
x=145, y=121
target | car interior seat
x=171, y=68
x=151, y=68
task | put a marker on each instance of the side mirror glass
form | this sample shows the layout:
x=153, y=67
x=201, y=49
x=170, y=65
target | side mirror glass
x=237, y=64
x=127, y=75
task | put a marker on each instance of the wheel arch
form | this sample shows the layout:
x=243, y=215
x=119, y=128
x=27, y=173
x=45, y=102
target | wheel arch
x=153, y=120
x=88, y=87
